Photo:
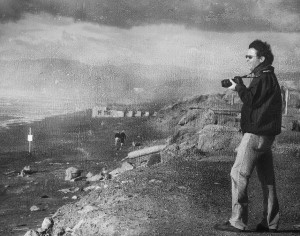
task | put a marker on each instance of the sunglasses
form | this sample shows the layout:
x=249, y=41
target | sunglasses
x=249, y=56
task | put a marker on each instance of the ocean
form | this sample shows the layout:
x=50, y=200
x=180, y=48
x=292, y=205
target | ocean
x=26, y=110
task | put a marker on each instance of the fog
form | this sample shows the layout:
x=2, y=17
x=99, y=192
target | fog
x=89, y=52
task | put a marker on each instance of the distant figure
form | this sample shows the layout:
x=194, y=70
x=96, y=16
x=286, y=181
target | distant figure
x=117, y=138
x=123, y=138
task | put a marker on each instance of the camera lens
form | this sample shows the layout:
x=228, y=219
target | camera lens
x=225, y=83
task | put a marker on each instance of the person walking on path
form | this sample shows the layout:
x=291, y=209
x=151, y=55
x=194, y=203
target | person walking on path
x=261, y=117
x=122, y=138
x=117, y=139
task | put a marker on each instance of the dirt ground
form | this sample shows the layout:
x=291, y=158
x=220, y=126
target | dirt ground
x=176, y=198
x=58, y=143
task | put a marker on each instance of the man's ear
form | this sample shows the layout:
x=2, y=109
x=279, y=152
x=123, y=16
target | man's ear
x=262, y=59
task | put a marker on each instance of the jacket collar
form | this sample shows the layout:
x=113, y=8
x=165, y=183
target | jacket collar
x=261, y=68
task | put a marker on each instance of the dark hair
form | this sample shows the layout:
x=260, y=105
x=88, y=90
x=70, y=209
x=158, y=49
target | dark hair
x=263, y=49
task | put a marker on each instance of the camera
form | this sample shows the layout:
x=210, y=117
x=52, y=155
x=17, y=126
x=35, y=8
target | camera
x=226, y=82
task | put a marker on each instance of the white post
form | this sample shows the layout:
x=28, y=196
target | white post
x=29, y=140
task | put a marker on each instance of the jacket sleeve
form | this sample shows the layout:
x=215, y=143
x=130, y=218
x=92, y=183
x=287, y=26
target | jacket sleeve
x=256, y=94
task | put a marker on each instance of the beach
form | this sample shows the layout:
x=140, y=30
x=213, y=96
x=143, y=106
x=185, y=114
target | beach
x=181, y=197
x=59, y=142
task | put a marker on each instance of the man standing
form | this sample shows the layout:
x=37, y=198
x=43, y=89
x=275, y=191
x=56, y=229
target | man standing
x=260, y=122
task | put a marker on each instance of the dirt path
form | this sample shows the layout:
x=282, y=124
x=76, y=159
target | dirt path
x=182, y=198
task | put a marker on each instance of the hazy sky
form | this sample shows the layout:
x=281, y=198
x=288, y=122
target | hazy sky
x=191, y=33
x=209, y=36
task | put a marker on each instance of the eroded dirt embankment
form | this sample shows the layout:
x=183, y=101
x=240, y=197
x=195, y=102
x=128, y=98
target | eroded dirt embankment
x=178, y=198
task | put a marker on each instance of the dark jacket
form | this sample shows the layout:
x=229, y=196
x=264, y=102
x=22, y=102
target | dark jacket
x=262, y=103
x=122, y=137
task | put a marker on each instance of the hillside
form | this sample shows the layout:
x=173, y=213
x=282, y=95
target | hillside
x=87, y=85
x=189, y=191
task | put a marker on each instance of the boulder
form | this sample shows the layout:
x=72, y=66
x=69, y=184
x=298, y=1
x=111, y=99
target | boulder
x=47, y=223
x=72, y=173
x=32, y=233
x=217, y=137
x=125, y=167
x=95, y=178
x=145, y=151
x=154, y=159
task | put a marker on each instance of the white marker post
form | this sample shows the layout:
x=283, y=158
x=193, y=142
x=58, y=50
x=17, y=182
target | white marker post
x=30, y=138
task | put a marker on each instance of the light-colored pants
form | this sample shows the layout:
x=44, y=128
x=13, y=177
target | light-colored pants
x=254, y=151
x=117, y=141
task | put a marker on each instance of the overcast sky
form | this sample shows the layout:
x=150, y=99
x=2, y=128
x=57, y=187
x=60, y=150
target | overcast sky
x=209, y=36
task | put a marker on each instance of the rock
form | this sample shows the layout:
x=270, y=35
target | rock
x=72, y=173
x=22, y=174
x=60, y=232
x=154, y=159
x=125, y=167
x=105, y=174
x=92, y=187
x=95, y=178
x=47, y=223
x=216, y=137
x=169, y=153
x=27, y=170
x=40, y=230
x=78, y=178
x=32, y=233
x=89, y=175
x=34, y=208
x=65, y=190
x=74, y=197
x=69, y=190
x=145, y=151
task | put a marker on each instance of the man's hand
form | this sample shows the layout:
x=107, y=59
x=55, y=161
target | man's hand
x=232, y=87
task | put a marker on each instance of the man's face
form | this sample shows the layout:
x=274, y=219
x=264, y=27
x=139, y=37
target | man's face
x=252, y=59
